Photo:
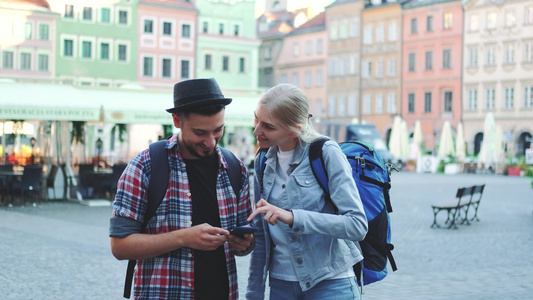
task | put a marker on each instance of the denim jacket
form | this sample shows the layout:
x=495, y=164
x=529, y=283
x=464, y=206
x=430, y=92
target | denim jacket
x=321, y=241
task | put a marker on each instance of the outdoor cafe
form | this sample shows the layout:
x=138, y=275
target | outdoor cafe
x=65, y=142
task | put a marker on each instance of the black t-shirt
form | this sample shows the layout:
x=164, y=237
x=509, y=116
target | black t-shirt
x=210, y=272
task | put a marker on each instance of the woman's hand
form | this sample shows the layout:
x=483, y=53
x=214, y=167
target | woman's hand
x=272, y=213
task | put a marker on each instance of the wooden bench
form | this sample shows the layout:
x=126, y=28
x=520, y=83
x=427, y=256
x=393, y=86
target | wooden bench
x=465, y=198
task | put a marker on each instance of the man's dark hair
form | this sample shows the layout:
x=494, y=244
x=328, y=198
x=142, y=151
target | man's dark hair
x=202, y=110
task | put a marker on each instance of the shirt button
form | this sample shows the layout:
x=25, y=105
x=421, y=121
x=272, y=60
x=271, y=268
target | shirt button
x=190, y=223
x=183, y=165
x=189, y=255
x=190, y=285
x=283, y=186
x=308, y=284
x=293, y=237
x=307, y=182
x=189, y=194
x=299, y=261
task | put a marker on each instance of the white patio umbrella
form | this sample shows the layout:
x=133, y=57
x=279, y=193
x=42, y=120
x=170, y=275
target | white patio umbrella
x=487, y=154
x=404, y=139
x=446, y=146
x=460, y=151
x=498, y=140
x=395, y=144
x=418, y=141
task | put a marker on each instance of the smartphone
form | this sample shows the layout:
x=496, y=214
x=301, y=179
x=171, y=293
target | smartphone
x=241, y=230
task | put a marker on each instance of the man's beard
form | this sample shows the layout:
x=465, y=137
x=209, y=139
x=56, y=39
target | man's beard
x=194, y=153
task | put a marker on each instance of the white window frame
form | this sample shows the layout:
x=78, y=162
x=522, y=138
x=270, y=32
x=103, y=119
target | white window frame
x=367, y=104
x=319, y=81
x=368, y=35
x=393, y=31
x=172, y=66
x=490, y=98
x=341, y=106
x=472, y=99
x=108, y=41
x=392, y=67
x=528, y=96
x=352, y=104
x=90, y=39
x=379, y=103
x=308, y=81
x=508, y=97
x=119, y=43
x=332, y=109
x=379, y=68
x=391, y=99
x=74, y=39
x=295, y=49
x=153, y=67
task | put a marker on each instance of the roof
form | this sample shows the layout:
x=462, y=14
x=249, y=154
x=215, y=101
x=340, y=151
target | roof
x=420, y=3
x=315, y=24
x=41, y=3
x=171, y=4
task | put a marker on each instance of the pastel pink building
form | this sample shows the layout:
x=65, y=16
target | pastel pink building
x=431, y=68
x=167, y=42
x=27, y=40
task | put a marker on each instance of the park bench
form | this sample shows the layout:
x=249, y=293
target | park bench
x=465, y=197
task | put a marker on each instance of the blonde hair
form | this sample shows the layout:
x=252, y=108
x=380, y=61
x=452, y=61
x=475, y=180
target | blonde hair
x=290, y=106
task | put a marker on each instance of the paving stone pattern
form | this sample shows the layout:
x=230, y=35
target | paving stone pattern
x=59, y=250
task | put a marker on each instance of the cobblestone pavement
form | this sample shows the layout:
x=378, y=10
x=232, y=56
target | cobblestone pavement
x=59, y=250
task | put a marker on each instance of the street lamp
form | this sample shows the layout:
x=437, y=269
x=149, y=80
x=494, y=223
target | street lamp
x=99, y=150
x=33, y=141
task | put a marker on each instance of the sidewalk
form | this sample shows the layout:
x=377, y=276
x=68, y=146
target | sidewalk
x=61, y=250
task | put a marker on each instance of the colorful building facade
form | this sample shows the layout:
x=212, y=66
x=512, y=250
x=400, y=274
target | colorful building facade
x=498, y=72
x=167, y=43
x=27, y=40
x=380, y=64
x=302, y=62
x=96, y=42
x=343, y=84
x=431, y=65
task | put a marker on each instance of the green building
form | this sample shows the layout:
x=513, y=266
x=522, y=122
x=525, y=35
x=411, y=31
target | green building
x=227, y=47
x=96, y=42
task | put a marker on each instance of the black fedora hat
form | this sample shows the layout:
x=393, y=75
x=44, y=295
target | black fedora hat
x=193, y=93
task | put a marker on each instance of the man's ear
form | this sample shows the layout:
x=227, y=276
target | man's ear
x=177, y=121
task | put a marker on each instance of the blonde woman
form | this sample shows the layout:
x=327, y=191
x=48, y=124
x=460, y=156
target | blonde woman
x=304, y=246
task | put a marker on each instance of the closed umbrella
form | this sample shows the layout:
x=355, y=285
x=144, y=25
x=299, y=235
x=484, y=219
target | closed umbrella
x=446, y=146
x=498, y=139
x=395, y=144
x=460, y=151
x=487, y=154
x=418, y=141
x=404, y=139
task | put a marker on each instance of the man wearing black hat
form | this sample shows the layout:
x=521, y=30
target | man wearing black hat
x=186, y=250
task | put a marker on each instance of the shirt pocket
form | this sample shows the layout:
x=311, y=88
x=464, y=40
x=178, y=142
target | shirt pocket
x=308, y=193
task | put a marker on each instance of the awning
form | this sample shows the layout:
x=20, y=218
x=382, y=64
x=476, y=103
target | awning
x=149, y=107
x=31, y=101
x=132, y=106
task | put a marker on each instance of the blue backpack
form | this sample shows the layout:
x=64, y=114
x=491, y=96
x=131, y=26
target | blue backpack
x=372, y=178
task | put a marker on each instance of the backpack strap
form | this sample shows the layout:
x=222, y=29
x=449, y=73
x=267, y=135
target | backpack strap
x=157, y=188
x=317, y=164
x=158, y=185
x=234, y=170
x=261, y=156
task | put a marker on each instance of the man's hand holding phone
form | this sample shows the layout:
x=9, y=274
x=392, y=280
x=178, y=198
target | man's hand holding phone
x=241, y=238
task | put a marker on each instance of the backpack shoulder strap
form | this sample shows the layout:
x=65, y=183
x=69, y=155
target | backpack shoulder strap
x=317, y=164
x=157, y=189
x=261, y=156
x=234, y=170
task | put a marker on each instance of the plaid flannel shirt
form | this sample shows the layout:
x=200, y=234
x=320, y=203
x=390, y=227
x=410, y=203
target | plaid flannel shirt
x=171, y=276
